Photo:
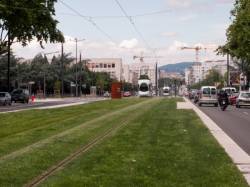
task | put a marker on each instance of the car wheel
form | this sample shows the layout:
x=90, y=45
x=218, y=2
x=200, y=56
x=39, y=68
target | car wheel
x=200, y=104
x=5, y=103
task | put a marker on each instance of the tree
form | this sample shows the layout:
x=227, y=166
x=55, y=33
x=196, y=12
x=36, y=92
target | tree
x=213, y=78
x=23, y=20
x=238, y=36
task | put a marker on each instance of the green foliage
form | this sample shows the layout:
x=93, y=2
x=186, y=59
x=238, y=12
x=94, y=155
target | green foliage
x=41, y=71
x=214, y=78
x=23, y=20
x=238, y=36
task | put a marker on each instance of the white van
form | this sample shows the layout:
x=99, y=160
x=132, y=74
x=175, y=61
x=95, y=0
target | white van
x=229, y=90
x=208, y=95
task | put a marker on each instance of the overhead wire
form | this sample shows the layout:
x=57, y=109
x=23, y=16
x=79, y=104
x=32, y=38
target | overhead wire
x=118, y=17
x=135, y=28
x=88, y=19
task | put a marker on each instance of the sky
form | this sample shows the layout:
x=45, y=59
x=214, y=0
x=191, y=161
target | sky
x=152, y=28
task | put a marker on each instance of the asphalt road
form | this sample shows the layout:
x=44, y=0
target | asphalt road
x=235, y=122
x=46, y=103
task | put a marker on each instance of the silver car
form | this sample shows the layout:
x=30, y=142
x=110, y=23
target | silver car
x=5, y=98
x=243, y=99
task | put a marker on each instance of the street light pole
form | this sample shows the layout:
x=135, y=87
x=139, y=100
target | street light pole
x=228, y=71
x=76, y=70
x=62, y=84
x=8, y=71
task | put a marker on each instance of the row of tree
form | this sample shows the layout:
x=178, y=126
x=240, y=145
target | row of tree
x=238, y=37
x=213, y=78
x=59, y=75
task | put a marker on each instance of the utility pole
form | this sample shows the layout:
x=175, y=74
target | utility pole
x=62, y=84
x=76, y=70
x=8, y=71
x=156, y=78
x=80, y=74
x=228, y=71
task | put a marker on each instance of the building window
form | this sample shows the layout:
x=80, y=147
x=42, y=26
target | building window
x=97, y=66
x=101, y=65
x=109, y=66
x=105, y=65
x=113, y=65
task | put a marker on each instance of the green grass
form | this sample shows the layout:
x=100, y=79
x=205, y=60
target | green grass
x=17, y=168
x=160, y=146
x=18, y=130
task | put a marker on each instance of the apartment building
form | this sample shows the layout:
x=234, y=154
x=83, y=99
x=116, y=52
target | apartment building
x=112, y=66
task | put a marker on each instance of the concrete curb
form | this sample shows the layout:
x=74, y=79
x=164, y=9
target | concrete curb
x=239, y=157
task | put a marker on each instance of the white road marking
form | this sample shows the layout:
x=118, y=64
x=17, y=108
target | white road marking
x=245, y=113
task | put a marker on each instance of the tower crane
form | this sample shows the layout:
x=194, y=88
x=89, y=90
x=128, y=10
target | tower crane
x=197, y=51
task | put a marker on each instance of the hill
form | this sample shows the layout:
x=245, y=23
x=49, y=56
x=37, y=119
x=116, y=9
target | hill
x=178, y=67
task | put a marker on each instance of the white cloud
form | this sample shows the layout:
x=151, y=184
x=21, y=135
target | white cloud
x=129, y=44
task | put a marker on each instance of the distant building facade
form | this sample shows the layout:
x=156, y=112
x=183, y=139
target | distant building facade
x=112, y=66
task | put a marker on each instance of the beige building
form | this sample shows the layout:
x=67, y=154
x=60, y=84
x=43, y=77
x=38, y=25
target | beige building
x=139, y=68
x=112, y=66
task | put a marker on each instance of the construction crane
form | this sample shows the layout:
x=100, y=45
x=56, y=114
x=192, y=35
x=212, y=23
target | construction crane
x=197, y=51
x=141, y=57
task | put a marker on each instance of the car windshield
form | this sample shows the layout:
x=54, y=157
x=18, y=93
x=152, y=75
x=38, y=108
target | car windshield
x=213, y=91
x=166, y=90
x=206, y=91
x=144, y=87
x=17, y=92
x=2, y=94
x=245, y=95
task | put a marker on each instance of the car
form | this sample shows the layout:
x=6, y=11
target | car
x=232, y=98
x=208, y=95
x=5, y=98
x=243, y=99
x=106, y=94
x=192, y=93
x=126, y=94
x=20, y=95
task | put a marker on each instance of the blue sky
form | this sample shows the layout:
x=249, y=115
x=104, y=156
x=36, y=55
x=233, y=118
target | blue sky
x=183, y=23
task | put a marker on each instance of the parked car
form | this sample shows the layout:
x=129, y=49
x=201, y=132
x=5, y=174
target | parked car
x=232, y=98
x=243, y=99
x=5, y=98
x=208, y=95
x=20, y=95
x=126, y=94
x=106, y=94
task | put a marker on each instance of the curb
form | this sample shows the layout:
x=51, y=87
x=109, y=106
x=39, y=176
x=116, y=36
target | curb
x=239, y=157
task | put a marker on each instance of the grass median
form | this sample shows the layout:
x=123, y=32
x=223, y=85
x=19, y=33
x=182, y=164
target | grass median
x=161, y=147
x=21, y=165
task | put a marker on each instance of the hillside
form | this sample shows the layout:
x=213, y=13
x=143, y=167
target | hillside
x=178, y=67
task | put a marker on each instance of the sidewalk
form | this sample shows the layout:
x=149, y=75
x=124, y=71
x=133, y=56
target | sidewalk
x=239, y=157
